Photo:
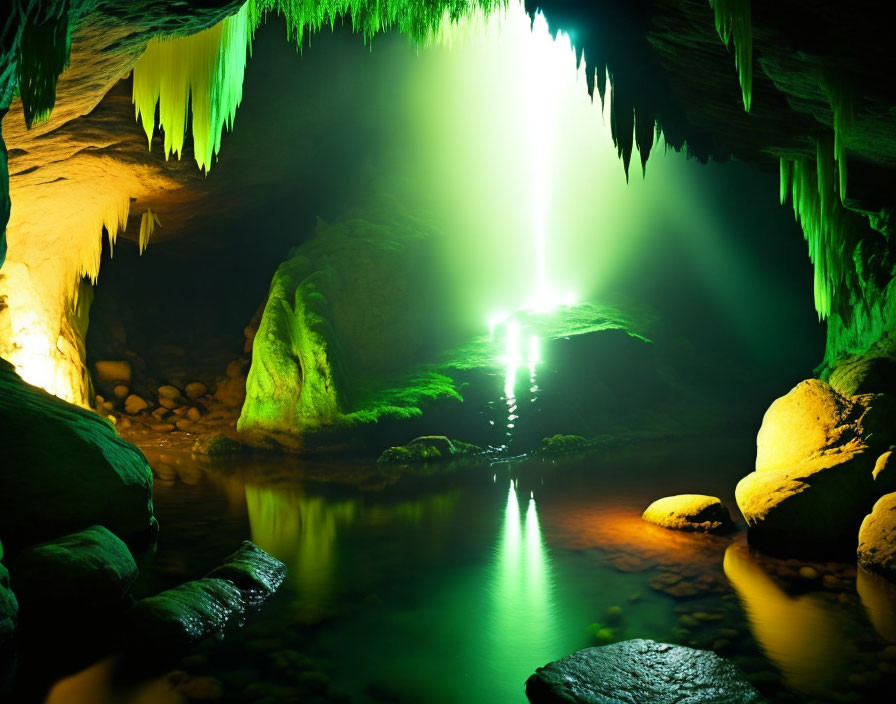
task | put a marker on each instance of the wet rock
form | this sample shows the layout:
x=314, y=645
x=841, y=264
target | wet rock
x=427, y=448
x=9, y=609
x=195, y=389
x=813, y=480
x=884, y=474
x=877, y=538
x=75, y=573
x=256, y=573
x=640, y=671
x=690, y=512
x=133, y=404
x=218, y=445
x=110, y=372
x=187, y=613
x=64, y=468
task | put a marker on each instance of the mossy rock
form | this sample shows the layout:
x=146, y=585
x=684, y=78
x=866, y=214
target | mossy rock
x=565, y=445
x=428, y=448
x=9, y=609
x=255, y=573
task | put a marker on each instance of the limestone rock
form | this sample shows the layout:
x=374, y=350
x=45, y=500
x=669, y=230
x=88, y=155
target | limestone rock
x=195, y=390
x=690, y=512
x=877, y=538
x=133, y=404
x=64, y=469
x=863, y=375
x=91, y=567
x=884, y=474
x=112, y=372
x=813, y=481
x=640, y=671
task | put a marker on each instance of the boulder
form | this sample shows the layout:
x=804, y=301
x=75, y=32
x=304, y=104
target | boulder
x=133, y=404
x=91, y=568
x=813, y=480
x=690, y=512
x=877, y=538
x=864, y=375
x=427, y=448
x=255, y=573
x=195, y=389
x=9, y=609
x=111, y=372
x=64, y=469
x=884, y=474
x=640, y=671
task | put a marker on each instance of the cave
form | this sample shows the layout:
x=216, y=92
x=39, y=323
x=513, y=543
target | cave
x=447, y=351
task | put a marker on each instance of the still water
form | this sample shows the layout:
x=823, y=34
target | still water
x=453, y=586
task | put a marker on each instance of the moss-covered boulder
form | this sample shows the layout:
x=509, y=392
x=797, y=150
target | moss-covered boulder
x=9, y=609
x=877, y=538
x=75, y=574
x=427, y=448
x=690, y=512
x=557, y=445
x=813, y=482
x=345, y=323
x=64, y=469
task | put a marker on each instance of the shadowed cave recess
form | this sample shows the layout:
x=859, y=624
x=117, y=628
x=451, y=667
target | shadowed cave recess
x=447, y=350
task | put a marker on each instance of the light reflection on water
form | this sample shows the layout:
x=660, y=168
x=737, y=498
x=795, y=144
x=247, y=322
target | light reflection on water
x=457, y=588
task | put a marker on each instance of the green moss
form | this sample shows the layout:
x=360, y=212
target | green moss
x=565, y=444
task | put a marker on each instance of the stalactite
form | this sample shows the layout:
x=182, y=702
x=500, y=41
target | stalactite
x=733, y=21
x=148, y=223
x=113, y=218
x=203, y=72
x=840, y=98
x=44, y=52
x=826, y=226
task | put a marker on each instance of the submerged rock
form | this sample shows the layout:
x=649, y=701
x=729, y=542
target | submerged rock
x=877, y=538
x=427, y=448
x=90, y=568
x=640, y=671
x=690, y=512
x=813, y=480
x=64, y=468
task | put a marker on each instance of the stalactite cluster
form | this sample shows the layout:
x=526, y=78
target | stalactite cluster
x=842, y=106
x=43, y=55
x=733, y=21
x=148, y=223
x=814, y=187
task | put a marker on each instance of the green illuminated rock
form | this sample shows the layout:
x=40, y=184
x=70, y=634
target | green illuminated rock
x=8, y=612
x=64, y=469
x=428, y=448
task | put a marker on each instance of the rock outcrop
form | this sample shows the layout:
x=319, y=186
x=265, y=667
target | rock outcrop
x=91, y=570
x=690, y=512
x=65, y=469
x=814, y=460
x=427, y=448
x=640, y=671
x=877, y=538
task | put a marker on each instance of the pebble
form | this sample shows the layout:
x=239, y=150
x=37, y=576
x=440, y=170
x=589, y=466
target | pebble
x=168, y=391
x=133, y=404
x=160, y=412
x=162, y=427
x=183, y=424
x=807, y=572
x=193, y=414
x=167, y=402
x=195, y=389
x=120, y=391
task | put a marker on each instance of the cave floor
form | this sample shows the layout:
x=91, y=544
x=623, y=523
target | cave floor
x=455, y=585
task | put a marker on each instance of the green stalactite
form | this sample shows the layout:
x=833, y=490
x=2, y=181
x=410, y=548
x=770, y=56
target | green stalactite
x=733, y=21
x=842, y=104
x=43, y=54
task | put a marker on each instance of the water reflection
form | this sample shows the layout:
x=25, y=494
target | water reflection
x=802, y=634
x=879, y=599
